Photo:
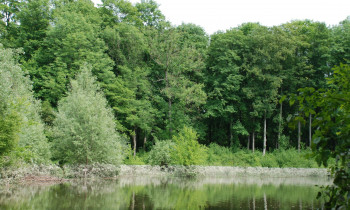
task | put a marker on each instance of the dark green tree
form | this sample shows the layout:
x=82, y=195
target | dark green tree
x=331, y=138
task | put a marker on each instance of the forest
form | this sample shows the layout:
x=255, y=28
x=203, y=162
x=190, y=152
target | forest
x=118, y=83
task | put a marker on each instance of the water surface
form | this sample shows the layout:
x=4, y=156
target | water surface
x=167, y=193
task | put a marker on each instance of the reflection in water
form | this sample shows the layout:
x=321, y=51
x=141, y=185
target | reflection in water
x=167, y=193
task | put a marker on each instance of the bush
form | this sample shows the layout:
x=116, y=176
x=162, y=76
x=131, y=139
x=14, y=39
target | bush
x=219, y=155
x=269, y=160
x=161, y=153
x=292, y=158
x=187, y=151
x=139, y=159
x=223, y=156
x=247, y=158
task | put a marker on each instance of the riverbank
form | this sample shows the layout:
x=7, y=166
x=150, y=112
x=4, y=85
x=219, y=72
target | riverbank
x=220, y=171
x=56, y=174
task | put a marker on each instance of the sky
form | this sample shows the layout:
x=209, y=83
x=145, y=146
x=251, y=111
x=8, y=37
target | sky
x=225, y=14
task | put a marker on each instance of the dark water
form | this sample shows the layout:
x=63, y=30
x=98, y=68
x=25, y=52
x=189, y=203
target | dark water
x=166, y=193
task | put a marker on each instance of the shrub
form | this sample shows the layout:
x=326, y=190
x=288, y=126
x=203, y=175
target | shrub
x=219, y=155
x=269, y=160
x=187, y=151
x=160, y=153
x=130, y=159
x=292, y=158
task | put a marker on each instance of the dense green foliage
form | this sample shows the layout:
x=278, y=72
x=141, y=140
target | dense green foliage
x=229, y=87
x=332, y=136
x=291, y=158
x=161, y=153
x=186, y=150
x=158, y=78
x=84, y=128
x=21, y=129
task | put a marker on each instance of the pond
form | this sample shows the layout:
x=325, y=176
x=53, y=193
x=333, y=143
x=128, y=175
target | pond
x=167, y=193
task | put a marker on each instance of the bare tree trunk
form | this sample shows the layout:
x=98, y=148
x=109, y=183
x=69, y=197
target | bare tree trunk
x=134, y=140
x=144, y=142
x=248, y=142
x=170, y=127
x=133, y=201
x=265, y=202
x=279, y=127
x=231, y=137
x=169, y=100
x=253, y=141
x=299, y=135
x=310, y=125
x=264, y=151
x=253, y=202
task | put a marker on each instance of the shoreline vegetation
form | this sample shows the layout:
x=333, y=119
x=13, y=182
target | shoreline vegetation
x=53, y=174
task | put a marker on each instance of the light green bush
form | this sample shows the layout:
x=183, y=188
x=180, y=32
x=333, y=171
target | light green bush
x=160, y=153
x=187, y=151
x=292, y=158
x=223, y=156
x=130, y=159
x=269, y=160
x=219, y=155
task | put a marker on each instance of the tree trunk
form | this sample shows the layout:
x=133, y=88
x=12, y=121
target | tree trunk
x=253, y=202
x=230, y=131
x=310, y=125
x=134, y=140
x=169, y=100
x=133, y=201
x=264, y=150
x=170, y=126
x=144, y=142
x=299, y=135
x=253, y=141
x=279, y=127
x=248, y=142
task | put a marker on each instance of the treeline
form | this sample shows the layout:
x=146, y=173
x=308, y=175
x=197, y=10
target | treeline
x=230, y=87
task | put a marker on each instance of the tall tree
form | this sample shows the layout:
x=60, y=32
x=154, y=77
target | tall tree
x=341, y=43
x=8, y=22
x=331, y=139
x=34, y=18
x=84, y=128
x=71, y=40
x=173, y=62
x=133, y=108
x=263, y=66
x=150, y=14
x=20, y=110
x=223, y=81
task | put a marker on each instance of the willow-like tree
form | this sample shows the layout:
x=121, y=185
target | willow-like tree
x=84, y=128
x=20, y=125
